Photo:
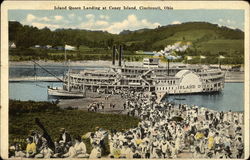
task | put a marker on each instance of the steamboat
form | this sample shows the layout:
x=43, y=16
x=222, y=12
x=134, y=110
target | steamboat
x=150, y=76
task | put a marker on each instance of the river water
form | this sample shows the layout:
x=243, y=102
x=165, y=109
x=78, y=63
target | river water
x=231, y=98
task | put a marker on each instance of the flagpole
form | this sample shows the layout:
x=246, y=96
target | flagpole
x=220, y=65
x=65, y=55
x=168, y=67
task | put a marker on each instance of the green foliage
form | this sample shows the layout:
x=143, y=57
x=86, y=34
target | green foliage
x=18, y=107
x=207, y=39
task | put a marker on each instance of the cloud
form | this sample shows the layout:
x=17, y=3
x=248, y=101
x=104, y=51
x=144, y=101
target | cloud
x=87, y=25
x=46, y=19
x=221, y=20
x=93, y=22
x=30, y=17
x=101, y=23
x=42, y=25
x=71, y=15
x=227, y=23
x=105, y=17
x=79, y=18
x=90, y=16
x=131, y=23
x=176, y=22
x=231, y=27
x=58, y=18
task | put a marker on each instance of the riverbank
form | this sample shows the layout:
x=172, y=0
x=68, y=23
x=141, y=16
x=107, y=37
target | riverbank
x=85, y=103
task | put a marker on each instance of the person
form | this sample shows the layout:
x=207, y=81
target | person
x=136, y=152
x=64, y=136
x=240, y=147
x=30, y=148
x=59, y=149
x=126, y=152
x=217, y=140
x=18, y=151
x=116, y=152
x=147, y=150
x=80, y=147
x=210, y=142
x=95, y=152
x=164, y=148
x=197, y=152
x=37, y=138
x=173, y=151
x=45, y=151
x=71, y=152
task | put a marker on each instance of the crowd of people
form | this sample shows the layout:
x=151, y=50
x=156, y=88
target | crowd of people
x=165, y=131
x=94, y=107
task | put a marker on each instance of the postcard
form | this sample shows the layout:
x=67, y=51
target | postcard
x=124, y=79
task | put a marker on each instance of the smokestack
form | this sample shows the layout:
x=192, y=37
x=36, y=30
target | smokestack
x=120, y=56
x=113, y=55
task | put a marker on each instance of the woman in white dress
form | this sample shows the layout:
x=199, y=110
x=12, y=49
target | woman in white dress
x=80, y=148
x=96, y=151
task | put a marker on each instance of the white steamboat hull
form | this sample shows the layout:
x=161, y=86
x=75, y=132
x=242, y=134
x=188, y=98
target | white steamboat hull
x=64, y=94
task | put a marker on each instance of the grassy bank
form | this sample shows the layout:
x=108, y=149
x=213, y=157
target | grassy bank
x=22, y=119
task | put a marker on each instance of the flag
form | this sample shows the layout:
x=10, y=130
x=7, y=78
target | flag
x=189, y=58
x=202, y=57
x=68, y=47
x=221, y=57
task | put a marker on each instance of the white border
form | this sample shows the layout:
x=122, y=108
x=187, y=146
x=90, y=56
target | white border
x=48, y=5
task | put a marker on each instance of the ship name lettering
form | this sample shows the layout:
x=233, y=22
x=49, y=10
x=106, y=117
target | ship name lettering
x=187, y=87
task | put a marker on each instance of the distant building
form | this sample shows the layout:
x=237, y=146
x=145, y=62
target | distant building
x=37, y=46
x=12, y=45
x=48, y=46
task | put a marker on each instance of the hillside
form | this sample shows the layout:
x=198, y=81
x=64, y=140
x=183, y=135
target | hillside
x=206, y=39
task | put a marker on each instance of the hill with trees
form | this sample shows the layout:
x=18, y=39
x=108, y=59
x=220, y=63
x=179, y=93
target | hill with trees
x=206, y=39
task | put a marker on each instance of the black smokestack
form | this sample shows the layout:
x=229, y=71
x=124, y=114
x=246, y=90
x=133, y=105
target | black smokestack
x=120, y=56
x=113, y=55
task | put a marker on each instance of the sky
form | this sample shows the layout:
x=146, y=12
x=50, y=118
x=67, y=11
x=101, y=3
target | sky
x=114, y=21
